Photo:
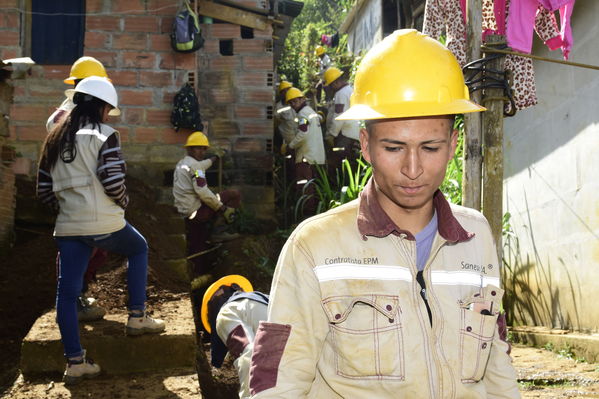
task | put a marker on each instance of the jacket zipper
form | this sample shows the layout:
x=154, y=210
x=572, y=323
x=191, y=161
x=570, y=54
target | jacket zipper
x=436, y=327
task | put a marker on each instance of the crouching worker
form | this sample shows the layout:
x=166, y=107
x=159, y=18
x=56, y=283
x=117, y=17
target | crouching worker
x=231, y=312
x=89, y=192
x=196, y=202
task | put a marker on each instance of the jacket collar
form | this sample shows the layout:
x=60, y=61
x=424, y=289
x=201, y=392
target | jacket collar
x=373, y=221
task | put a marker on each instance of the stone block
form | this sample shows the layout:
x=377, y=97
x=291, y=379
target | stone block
x=106, y=342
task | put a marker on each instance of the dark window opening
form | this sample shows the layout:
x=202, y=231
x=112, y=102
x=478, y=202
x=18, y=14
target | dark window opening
x=269, y=79
x=390, y=16
x=168, y=177
x=269, y=112
x=226, y=47
x=247, y=33
x=269, y=145
x=57, y=31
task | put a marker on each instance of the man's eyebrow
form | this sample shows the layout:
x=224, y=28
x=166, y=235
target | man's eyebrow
x=398, y=142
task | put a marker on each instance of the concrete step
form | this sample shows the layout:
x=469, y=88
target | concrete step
x=106, y=343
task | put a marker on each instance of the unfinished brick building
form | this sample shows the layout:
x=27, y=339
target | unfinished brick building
x=233, y=74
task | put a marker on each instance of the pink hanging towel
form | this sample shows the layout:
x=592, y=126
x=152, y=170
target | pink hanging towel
x=521, y=22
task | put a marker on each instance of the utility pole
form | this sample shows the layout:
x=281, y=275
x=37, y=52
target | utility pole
x=471, y=174
x=493, y=100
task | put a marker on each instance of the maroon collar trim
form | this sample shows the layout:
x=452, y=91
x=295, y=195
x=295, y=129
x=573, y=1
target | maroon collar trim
x=373, y=221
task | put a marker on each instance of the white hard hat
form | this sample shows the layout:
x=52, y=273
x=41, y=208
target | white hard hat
x=98, y=87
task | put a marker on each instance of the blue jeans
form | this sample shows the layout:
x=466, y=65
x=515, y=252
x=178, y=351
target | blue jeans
x=74, y=256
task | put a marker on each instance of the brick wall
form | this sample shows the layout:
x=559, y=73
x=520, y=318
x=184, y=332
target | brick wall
x=236, y=88
x=132, y=40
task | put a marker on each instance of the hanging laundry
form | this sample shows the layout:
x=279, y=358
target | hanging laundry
x=522, y=20
x=523, y=78
x=446, y=16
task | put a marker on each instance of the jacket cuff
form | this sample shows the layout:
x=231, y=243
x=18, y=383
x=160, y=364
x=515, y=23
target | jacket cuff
x=269, y=345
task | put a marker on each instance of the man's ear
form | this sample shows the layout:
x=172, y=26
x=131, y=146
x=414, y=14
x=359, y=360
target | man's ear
x=453, y=142
x=364, y=145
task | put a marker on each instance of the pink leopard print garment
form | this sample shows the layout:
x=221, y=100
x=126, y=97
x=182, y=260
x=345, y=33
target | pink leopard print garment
x=446, y=16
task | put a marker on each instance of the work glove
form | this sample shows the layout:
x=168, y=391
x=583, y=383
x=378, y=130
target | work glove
x=229, y=214
x=283, y=149
x=219, y=152
x=330, y=140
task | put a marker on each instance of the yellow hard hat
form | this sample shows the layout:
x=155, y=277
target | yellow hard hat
x=319, y=50
x=284, y=85
x=292, y=93
x=85, y=67
x=331, y=74
x=197, y=139
x=228, y=281
x=408, y=74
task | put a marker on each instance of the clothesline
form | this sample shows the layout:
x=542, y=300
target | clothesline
x=536, y=57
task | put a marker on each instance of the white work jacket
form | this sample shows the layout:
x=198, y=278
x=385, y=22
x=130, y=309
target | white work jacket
x=307, y=142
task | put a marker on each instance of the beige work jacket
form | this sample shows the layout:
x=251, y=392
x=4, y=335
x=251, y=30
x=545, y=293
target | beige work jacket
x=85, y=209
x=307, y=142
x=190, y=187
x=347, y=319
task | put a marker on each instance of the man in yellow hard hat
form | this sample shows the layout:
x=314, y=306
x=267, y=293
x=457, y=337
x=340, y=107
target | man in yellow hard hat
x=324, y=62
x=194, y=200
x=308, y=146
x=285, y=115
x=343, y=136
x=397, y=293
x=286, y=126
x=231, y=312
x=88, y=308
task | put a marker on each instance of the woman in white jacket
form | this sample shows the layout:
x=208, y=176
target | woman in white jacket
x=82, y=175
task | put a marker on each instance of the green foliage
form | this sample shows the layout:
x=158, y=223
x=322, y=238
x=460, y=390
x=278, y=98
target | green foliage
x=452, y=185
x=298, y=63
x=346, y=187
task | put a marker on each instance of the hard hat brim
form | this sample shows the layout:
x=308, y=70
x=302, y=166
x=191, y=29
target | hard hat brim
x=115, y=111
x=409, y=109
x=71, y=80
x=229, y=280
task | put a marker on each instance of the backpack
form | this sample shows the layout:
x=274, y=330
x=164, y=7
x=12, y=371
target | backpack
x=186, y=109
x=186, y=37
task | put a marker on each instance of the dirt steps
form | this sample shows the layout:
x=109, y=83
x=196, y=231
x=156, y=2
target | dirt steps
x=106, y=343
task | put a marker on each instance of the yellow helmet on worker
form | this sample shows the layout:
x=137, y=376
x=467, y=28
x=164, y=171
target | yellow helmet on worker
x=408, y=74
x=319, y=50
x=284, y=85
x=331, y=75
x=85, y=67
x=228, y=281
x=197, y=139
x=292, y=93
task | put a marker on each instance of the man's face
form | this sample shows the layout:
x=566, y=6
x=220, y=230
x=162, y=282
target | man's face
x=409, y=157
x=196, y=152
x=296, y=103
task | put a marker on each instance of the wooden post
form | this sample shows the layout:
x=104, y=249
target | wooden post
x=493, y=152
x=471, y=174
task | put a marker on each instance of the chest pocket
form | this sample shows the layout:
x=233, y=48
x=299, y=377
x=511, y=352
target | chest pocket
x=367, y=336
x=478, y=322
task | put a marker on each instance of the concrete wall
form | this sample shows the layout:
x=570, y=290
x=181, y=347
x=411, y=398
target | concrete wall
x=366, y=29
x=551, y=185
x=132, y=40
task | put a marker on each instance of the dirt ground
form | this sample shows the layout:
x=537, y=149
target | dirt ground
x=28, y=281
x=542, y=374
